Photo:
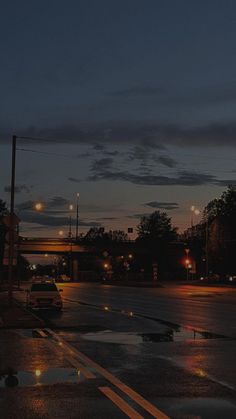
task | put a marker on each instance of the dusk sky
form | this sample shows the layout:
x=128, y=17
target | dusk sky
x=135, y=101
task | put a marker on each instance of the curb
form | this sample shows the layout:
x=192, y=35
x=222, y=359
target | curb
x=29, y=312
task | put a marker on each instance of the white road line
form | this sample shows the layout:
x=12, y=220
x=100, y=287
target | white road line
x=119, y=402
x=146, y=405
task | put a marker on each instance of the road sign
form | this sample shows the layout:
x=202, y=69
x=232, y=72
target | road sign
x=7, y=220
x=6, y=261
x=154, y=271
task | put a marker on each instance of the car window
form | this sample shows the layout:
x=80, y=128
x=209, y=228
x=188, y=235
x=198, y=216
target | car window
x=43, y=287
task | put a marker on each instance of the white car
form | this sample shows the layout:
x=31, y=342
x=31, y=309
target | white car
x=44, y=295
x=63, y=278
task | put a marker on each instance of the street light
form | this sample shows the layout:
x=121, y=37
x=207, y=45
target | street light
x=187, y=266
x=61, y=232
x=194, y=211
x=71, y=207
x=38, y=206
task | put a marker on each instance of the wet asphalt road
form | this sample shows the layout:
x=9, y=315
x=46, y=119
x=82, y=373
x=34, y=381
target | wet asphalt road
x=134, y=335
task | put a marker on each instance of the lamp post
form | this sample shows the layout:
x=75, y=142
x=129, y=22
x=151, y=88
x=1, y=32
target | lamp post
x=11, y=226
x=77, y=217
x=71, y=207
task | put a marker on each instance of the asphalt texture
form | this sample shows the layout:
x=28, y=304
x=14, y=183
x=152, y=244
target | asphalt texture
x=174, y=346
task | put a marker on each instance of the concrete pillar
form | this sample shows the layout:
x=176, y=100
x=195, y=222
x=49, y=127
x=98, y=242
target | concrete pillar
x=75, y=269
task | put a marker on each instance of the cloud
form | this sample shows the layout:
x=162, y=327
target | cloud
x=73, y=179
x=139, y=90
x=138, y=216
x=220, y=93
x=182, y=178
x=102, y=164
x=57, y=202
x=146, y=134
x=167, y=161
x=107, y=218
x=49, y=220
x=99, y=147
x=111, y=153
x=162, y=205
x=83, y=155
x=18, y=188
x=203, y=95
x=226, y=182
x=26, y=205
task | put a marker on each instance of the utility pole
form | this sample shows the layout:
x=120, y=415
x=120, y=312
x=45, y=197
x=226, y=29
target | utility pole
x=207, y=252
x=11, y=227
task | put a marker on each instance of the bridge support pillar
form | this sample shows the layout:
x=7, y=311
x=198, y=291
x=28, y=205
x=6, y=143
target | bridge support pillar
x=75, y=270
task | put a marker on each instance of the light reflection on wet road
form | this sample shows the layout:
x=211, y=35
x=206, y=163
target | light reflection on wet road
x=170, y=366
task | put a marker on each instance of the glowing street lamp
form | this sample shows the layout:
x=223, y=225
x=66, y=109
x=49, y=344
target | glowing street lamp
x=61, y=232
x=194, y=211
x=71, y=207
x=38, y=206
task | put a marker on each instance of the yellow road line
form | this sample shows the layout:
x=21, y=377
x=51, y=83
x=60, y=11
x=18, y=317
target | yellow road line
x=88, y=374
x=41, y=333
x=149, y=407
x=74, y=362
x=118, y=401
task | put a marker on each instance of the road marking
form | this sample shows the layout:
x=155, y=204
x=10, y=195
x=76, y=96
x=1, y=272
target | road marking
x=118, y=401
x=73, y=361
x=149, y=407
x=41, y=333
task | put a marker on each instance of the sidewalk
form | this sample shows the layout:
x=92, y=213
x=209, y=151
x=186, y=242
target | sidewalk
x=16, y=316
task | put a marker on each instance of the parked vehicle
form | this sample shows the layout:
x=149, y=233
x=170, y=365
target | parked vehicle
x=63, y=278
x=44, y=294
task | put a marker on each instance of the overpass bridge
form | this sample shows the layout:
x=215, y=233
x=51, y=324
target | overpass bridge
x=29, y=245
x=74, y=248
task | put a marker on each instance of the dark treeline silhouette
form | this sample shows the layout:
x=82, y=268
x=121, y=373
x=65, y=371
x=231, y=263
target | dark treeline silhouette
x=213, y=240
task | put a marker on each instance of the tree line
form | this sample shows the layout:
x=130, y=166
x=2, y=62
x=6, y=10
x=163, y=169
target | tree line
x=212, y=241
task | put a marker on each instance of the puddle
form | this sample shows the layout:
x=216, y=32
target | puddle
x=180, y=334
x=201, y=408
x=130, y=338
x=38, y=377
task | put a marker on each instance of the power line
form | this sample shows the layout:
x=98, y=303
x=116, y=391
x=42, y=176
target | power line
x=45, y=152
x=63, y=140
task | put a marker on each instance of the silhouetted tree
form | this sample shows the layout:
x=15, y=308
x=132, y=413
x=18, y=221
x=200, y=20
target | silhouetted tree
x=220, y=220
x=156, y=233
x=156, y=227
x=98, y=235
